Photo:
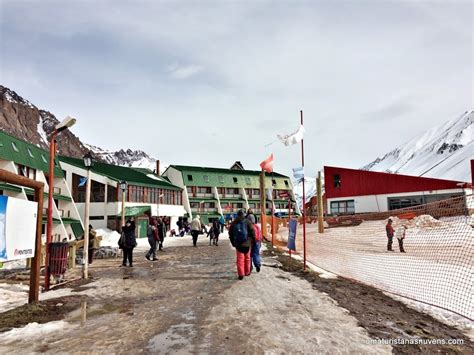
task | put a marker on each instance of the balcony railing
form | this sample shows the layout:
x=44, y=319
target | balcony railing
x=230, y=196
x=204, y=195
x=198, y=210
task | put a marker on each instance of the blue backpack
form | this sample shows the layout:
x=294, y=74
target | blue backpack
x=240, y=232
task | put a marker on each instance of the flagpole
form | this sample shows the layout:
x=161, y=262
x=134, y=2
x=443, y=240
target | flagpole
x=304, y=200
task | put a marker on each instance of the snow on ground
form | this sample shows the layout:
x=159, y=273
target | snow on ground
x=298, y=316
x=12, y=296
x=436, y=268
x=109, y=237
x=35, y=331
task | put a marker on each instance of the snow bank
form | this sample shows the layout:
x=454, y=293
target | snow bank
x=34, y=331
x=12, y=296
x=109, y=237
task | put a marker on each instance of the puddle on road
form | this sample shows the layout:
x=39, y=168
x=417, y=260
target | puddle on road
x=177, y=340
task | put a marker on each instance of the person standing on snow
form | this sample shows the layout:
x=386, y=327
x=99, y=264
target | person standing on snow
x=152, y=234
x=400, y=237
x=129, y=242
x=196, y=228
x=241, y=236
x=389, y=230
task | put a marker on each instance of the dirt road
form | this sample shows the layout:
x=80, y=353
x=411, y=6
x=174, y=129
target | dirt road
x=190, y=301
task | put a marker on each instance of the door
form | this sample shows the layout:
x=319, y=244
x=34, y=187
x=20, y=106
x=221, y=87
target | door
x=142, y=228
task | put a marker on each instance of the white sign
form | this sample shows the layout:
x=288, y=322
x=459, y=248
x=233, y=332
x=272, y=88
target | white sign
x=17, y=228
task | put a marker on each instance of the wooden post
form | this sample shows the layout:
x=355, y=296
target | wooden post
x=320, y=204
x=85, y=253
x=263, y=207
x=38, y=186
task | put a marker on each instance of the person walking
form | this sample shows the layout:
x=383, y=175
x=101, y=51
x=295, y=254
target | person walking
x=153, y=238
x=255, y=253
x=93, y=244
x=196, y=228
x=129, y=242
x=241, y=235
x=250, y=216
x=222, y=223
x=161, y=233
x=389, y=230
x=217, y=230
x=400, y=237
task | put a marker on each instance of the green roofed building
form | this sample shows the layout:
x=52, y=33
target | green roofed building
x=146, y=194
x=211, y=192
x=22, y=158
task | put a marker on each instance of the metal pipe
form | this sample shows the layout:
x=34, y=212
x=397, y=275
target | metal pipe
x=85, y=254
x=49, y=225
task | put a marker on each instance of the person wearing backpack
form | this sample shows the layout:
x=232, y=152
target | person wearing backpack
x=255, y=253
x=217, y=230
x=152, y=234
x=241, y=236
x=196, y=228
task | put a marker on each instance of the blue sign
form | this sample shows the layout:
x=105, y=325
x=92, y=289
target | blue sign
x=292, y=228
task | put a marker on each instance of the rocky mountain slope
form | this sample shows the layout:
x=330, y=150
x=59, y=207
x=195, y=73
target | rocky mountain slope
x=22, y=119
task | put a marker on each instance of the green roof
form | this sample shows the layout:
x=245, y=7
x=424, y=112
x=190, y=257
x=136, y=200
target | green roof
x=23, y=153
x=230, y=178
x=9, y=187
x=134, y=211
x=133, y=176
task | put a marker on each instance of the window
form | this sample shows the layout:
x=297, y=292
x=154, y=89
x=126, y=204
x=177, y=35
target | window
x=337, y=180
x=112, y=193
x=247, y=180
x=29, y=152
x=221, y=179
x=96, y=218
x=286, y=183
x=235, y=180
x=15, y=148
x=342, y=207
x=206, y=178
x=190, y=178
x=44, y=159
x=204, y=190
x=274, y=182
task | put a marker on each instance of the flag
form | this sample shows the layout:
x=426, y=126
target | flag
x=269, y=194
x=267, y=164
x=82, y=181
x=290, y=139
x=298, y=173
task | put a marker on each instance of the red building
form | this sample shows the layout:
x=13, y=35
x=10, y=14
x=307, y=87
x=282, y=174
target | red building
x=351, y=191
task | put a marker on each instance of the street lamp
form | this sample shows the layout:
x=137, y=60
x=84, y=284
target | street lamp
x=123, y=187
x=66, y=123
x=88, y=163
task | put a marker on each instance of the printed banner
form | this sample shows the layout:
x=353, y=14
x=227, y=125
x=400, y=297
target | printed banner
x=292, y=228
x=17, y=228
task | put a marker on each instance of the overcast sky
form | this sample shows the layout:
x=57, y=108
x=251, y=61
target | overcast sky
x=210, y=82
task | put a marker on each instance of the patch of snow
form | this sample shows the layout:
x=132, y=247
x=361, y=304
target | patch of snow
x=13, y=295
x=42, y=133
x=109, y=237
x=34, y=331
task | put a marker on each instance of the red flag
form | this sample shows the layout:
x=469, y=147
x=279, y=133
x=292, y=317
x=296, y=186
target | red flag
x=267, y=164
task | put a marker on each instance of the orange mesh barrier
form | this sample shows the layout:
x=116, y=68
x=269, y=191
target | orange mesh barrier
x=437, y=265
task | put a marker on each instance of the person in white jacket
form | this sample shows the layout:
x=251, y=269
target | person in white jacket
x=196, y=228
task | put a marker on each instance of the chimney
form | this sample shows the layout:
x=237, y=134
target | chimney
x=158, y=168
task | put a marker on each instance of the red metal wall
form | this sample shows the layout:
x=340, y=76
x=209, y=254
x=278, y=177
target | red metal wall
x=360, y=182
x=472, y=172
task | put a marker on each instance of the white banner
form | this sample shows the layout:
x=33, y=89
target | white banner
x=17, y=228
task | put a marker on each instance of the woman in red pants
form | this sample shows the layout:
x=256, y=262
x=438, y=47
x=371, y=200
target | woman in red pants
x=242, y=235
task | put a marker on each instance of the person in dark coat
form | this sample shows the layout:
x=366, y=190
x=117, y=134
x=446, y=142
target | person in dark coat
x=129, y=242
x=93, y=244
x=250, y=216
x=161, y=233
x=390, y=232
x=242, y=226
x=152, y=235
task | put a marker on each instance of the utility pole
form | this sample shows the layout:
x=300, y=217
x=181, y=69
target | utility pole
x=320, y=204
x=263, y=207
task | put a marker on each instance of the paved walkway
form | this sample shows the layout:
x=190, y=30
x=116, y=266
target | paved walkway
x=190, y=301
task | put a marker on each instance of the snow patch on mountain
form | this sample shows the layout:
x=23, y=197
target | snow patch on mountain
x=442, y=152
x=129, y=158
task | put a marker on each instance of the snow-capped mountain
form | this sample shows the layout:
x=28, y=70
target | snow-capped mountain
x=131, y=158
x=22, y=119
x=442, y=152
